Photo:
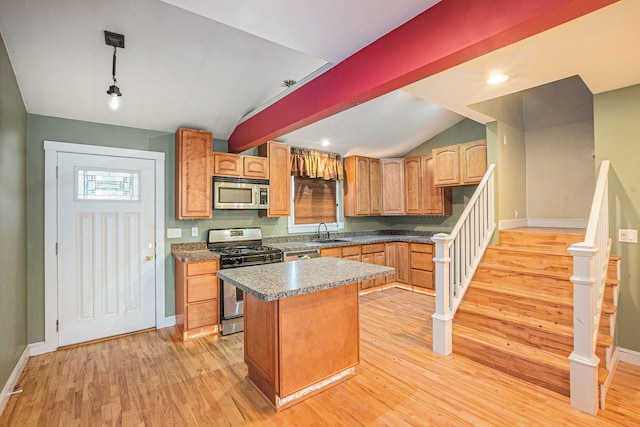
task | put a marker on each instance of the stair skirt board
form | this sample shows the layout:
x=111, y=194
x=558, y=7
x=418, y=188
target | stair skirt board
x=612, y=366
x=517, y=313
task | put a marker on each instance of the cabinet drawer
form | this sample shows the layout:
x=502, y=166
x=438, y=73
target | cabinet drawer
x=202, y=288
x=202, y=314
x=422, y=247
x=350, y=251
x=422, y=278
x=421, y=261
x=202, y=267
x=375, y=247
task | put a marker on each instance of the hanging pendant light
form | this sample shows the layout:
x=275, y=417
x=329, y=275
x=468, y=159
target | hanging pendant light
x=117, y=41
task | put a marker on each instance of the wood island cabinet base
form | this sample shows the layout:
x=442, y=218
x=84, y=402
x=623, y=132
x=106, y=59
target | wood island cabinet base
x=298, y=346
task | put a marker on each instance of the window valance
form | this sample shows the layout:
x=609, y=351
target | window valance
x=316, y=164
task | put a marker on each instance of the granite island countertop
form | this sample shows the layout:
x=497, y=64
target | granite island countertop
x=271, y=282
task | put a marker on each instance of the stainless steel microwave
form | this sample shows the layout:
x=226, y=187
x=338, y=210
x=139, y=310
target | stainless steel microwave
x=240, y=193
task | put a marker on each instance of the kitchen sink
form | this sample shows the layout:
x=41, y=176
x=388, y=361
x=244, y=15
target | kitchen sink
x=325, y=241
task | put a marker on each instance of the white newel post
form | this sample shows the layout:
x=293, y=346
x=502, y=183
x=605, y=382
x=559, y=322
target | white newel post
x=583, y=361
x=442, y=328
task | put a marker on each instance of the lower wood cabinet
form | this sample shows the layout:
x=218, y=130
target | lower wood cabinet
x=373, y=254
x=390, y=259
x=197, y=303
x=421, y=261
x=412, y=261
x=402, y=262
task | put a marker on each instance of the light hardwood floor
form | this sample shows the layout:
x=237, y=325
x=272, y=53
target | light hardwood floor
x=151, y=379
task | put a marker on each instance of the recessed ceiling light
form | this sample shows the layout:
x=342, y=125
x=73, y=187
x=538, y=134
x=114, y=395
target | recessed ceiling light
x=324, y=142
x=497, y=78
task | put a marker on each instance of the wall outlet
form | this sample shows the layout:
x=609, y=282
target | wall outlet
x=174, y=233
x=628, y=235
x=194, y=231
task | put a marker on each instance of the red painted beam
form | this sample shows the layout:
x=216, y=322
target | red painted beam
x=446, y=35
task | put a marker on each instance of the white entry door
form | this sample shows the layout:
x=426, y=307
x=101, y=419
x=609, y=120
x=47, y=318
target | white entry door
x=106, y=246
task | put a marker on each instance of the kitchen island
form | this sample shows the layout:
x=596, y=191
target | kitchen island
x=301, y=326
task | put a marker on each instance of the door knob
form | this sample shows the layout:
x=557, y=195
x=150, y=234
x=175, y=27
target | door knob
x=149, y=257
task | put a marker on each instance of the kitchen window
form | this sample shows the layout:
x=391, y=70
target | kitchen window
x=314, y=201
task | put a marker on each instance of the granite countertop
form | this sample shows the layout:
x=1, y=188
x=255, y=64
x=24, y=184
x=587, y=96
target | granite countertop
x=270, y=282
x=350, y=241
x=197, y=251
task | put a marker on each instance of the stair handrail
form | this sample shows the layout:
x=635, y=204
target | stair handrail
x=457, y=257
x=590, y=263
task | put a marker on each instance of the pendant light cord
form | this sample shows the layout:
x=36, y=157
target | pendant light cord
x=113, y=68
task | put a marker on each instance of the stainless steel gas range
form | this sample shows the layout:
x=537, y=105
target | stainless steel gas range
x=238, y=247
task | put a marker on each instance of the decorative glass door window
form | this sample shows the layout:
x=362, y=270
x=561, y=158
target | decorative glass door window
x=107, y=185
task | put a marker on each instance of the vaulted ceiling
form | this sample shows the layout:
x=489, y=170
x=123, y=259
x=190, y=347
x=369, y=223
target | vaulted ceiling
x=220, y=65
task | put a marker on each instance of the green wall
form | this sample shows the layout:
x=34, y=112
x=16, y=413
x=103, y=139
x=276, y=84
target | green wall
x=617, y=138
x=13, y=226
x=41, y=128
x=464, y=131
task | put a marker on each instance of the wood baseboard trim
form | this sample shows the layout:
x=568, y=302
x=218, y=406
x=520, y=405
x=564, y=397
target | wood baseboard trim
x=399, y=285
x=629, y=356
x=8, y=388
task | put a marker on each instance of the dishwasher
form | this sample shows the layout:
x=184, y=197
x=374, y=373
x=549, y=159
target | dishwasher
x=296, y=255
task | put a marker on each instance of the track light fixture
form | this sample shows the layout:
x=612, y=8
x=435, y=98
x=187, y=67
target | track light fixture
x=117, y=41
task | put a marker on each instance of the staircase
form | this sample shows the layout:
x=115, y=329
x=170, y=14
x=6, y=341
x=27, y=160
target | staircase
x=517, y=314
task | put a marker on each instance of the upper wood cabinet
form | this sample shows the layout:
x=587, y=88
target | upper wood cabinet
x=362, y=195
x=434, y=200
x=420, y=195
x=255, y=167
x=392, y=186
x=461, y=164
x=236, y=165
x=413, y=185
x=375, y=187
x=473, y=161
x=193, y=174
x=279, y=158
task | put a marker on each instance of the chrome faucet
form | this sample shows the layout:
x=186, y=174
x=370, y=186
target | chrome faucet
x=325, y=229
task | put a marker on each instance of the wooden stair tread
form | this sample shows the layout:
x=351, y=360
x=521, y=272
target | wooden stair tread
x=605, y=340
x=529, y=271
x=516, y=349
x=533, y=294
x=524, y=248
x=603, y=373
x=549, y=327
x=609, y=309
x=515, y=318
x=556, y=361
x=612, y=282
